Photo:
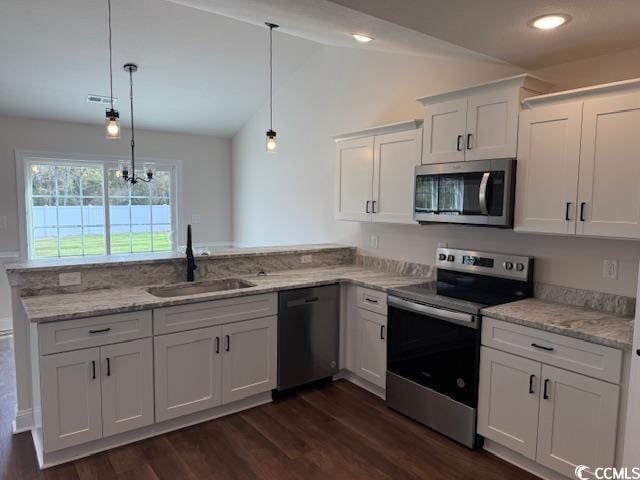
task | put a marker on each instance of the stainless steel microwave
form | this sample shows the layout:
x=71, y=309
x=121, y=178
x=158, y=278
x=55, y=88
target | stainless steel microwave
x=478, y=192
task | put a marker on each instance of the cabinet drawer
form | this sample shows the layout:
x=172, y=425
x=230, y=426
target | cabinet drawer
x=372, y=300
x=561, y=351
x=54, y=337
x=217, y=312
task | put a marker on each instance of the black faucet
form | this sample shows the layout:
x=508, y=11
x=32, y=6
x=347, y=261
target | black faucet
x=191, y=263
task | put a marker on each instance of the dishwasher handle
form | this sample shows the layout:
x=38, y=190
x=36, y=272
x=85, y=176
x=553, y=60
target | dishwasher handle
x=301, y=301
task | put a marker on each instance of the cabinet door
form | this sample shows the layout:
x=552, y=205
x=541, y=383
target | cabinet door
x=548, y=159
x=444, y=130
x=127, y=386
x=492, y=125
x=371, y=347
x=354, y=179
x=508, y=400
x=578, y=421
x=609, y=188
x=71, y=403
x=188, y=367
x=395, y=157
x=249, y=364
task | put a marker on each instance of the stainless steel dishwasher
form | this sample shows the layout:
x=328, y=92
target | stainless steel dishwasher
x=308, y=335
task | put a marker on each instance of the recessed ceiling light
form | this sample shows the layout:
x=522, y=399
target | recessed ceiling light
x=549, y=22
x=362, y=38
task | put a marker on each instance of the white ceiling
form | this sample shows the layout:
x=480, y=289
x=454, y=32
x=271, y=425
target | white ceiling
x=199, y=73
x=498, y=28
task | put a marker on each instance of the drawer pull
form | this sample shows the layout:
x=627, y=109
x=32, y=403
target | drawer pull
x=371, y=300
x=531, y=379
x=102, y=330
x=545, y=395
x=542, y=347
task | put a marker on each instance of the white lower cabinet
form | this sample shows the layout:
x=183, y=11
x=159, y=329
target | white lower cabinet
x=188, y=369
x=249, y=362
x=578, y=421
x=127, y=386
x=558, y=418
x=71, y=398
x=371, y=347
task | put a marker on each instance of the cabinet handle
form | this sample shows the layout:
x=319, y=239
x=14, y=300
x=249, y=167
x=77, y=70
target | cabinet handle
x=366, y=208
x=373, y=206
x=102, y=330
x=542, y=347
x=545, y=395
x=469, y=141
x=582, y=205
x=228, y=349
x=217, y=344
x=93, y=364
x=108, y=367
x=381, y=332
x=531, y=379
x=638, y=352
x=458, y=143
x=371, y=300
x=566, y=212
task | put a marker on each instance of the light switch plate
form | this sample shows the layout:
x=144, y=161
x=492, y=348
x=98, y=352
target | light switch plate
x=306, y=258
x=3, y=222
x=69, y=278
x=610, y=269
x=374, y=241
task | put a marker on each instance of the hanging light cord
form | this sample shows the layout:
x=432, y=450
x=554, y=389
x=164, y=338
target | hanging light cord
x=271, y=76
x=110, y=58
x=133, y=134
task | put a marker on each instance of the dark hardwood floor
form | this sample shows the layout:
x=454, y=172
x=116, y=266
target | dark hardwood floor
x=335, y=431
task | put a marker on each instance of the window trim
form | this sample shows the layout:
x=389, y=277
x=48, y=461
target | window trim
x=25, y=158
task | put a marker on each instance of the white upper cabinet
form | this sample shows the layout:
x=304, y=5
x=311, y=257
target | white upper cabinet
x=609, y=193
x=444, y=130
x=354, y=177
x=578, y=169
x=375, y=172
x=478, y=122
x=395, y=157
x=547, y=170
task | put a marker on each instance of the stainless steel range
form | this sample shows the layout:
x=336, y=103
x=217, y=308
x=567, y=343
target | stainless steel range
x=433, y=342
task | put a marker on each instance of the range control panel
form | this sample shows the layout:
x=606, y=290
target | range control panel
x=494, y=264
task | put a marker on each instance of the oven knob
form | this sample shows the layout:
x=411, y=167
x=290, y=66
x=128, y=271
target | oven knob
x=508, y=265
x=442, y=257
x=450, y=258
x=520, y=267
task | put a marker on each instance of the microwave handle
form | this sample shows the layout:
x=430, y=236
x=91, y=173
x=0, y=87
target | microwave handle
x=482, y=193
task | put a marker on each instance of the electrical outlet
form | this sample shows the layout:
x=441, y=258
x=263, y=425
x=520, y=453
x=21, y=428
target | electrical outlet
x=195, y=219
x=610, y=269
x=3, y=222
x=69, y=278
x=306, y=258
x=374, y=241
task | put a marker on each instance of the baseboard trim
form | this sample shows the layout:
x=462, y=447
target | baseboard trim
x=51, y=459
x=23, y=421
x=520, y=461
x=362, y=383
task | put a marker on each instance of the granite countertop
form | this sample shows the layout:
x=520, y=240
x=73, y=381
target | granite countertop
x=45, y=308
x=578, y=322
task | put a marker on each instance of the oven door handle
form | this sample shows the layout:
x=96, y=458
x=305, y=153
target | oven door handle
x=482, y=193
x=460, y=318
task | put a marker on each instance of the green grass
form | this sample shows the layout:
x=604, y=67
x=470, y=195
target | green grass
x=94, y=244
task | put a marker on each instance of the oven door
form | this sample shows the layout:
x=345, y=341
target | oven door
x=436, y=348
x=477, y=192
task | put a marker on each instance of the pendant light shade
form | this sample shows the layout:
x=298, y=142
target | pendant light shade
x=112, y=123
x=271, y=143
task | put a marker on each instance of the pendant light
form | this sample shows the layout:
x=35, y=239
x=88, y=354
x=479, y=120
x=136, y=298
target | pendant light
x=112, y=123
x=128, y=169
x=272, y=143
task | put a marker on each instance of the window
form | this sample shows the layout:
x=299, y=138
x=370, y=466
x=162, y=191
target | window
x=83, y=208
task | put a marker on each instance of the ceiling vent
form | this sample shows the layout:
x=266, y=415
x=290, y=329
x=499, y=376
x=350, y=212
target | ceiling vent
x=101, y=99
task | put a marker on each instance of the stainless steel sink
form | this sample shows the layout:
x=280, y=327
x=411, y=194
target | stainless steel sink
x=208, y=286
